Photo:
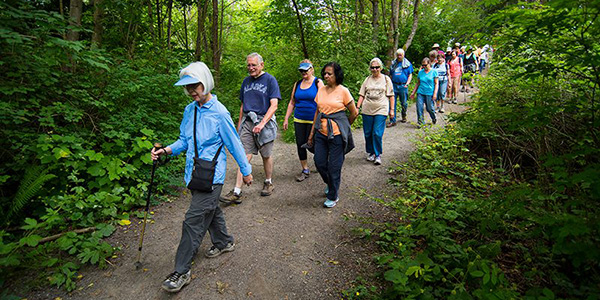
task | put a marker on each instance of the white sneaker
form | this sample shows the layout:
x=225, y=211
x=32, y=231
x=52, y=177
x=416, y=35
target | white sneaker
x=442, y=110
x=378, y=160
x=370, y=157
x=176, y=281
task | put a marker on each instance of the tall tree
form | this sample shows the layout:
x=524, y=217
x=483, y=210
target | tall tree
x=75, y=12
x=159, y=20
x=375, y=20
x=415, y=25
x=150, y=20
x=200, y=45
x=215, y=45
x=304, y=49
x=98, y=27
x=393, y=32
x=170, y=22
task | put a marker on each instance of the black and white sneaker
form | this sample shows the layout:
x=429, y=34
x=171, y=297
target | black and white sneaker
x=214, y=251
x=176, y=281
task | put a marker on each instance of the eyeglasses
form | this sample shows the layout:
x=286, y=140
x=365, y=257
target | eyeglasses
x=424, y=65
x=375, y=67
x=192, y=87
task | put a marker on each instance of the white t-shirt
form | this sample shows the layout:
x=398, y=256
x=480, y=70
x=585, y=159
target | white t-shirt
x=376, y=93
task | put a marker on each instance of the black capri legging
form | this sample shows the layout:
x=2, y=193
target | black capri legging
x=302, y=133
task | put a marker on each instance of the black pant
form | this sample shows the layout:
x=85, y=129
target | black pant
x=302, y=133
x=329, y=158
x=204, y=214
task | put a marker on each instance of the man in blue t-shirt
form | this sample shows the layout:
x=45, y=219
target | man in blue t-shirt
x=401, y=74
x=257, y=126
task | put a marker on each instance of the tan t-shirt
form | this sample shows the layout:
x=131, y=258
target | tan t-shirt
x=376, y=93
x=329, y=102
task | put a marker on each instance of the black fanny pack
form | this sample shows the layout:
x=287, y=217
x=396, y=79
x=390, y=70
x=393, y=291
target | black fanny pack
x=203, y=173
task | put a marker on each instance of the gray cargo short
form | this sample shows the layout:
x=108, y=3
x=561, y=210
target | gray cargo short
x=250, y=144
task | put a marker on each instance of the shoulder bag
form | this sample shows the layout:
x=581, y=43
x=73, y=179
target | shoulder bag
x=203, y=173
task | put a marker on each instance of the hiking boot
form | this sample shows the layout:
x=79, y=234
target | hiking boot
x=434, y=121
x=232, y=197
x=403, y=119
x=330, y=203
x=370, y=157
x=377, y=160
x=214, y=251
x=303, y=175
x=176, y=281
x=267, y=189
x=391, y=124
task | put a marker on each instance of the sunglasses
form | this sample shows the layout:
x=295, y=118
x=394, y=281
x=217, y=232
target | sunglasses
x=375, y=67
x=302, y=71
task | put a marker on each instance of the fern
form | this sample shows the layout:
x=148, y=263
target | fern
x=32, y=182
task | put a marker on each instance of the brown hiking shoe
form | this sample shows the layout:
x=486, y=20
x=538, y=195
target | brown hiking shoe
x=267, y=189
x=231, y=197
x=403, y=119
x=302, y=176
x=391, y=124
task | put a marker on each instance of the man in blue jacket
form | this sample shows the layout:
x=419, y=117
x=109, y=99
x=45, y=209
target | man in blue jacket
x=214, y=128
x=401, y=74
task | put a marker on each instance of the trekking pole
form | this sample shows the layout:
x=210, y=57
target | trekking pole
x=138, y=263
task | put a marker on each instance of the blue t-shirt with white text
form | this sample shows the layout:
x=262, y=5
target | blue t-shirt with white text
x=256, y=93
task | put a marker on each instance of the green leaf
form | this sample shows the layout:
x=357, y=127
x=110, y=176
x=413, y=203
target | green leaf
x=476, y=273
x=31, y=240
x=31, y=224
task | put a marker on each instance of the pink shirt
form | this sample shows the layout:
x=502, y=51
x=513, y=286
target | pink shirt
x=455, y=69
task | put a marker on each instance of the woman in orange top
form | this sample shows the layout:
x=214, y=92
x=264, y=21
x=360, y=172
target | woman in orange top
x=332, y=138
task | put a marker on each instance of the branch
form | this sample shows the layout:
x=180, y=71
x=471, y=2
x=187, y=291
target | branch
x=56, y=236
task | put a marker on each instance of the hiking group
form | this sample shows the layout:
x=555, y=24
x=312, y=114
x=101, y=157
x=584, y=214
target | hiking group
x=321, y=125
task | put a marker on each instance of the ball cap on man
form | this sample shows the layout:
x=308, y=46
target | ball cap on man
x=436, y=45
x=304, y=66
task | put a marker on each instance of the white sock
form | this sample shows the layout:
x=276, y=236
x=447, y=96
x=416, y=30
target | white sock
x=237, y=190
x=268, y=180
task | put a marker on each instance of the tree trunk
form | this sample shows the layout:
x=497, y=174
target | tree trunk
x=393, y=32
x=170, y=16
x=158, y=21
x=98, y=28
x=415, y=25
x=375, y=20
x=216, y=59
x=75, y=11
x=185, y=29
x=201, y=18
x=151, y=20
x=304, y=50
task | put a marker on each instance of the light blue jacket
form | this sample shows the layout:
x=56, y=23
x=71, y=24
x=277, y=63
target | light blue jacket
x=214, y=127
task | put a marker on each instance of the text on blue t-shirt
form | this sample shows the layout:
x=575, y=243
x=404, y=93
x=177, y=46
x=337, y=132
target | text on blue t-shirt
x=256, y=93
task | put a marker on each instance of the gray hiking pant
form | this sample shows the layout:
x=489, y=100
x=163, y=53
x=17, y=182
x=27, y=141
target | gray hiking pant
x=204, y=214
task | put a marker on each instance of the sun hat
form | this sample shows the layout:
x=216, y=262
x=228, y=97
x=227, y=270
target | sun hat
x=436, y=45
x=304, y=66
x=186, y=79
x=194, y=73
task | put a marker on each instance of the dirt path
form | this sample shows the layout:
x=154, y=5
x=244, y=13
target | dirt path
x=287, y=245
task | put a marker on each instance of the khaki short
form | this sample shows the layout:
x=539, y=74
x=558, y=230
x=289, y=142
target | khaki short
x=249, y=143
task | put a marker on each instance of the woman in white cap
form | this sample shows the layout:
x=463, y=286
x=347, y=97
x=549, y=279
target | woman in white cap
x=205, y=128
x=302, y=103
